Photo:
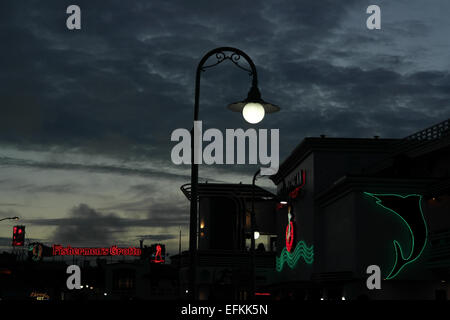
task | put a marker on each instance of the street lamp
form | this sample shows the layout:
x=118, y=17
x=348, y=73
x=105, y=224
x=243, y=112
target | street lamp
x=253, y=109
x=10, y=218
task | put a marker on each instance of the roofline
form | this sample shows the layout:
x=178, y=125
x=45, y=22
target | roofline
x=233, y=190
x=418, y=143
x=310, y=144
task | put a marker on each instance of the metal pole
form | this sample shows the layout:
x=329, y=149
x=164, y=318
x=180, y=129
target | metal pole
x=252, y=237
x=179, y=245
x=220, y=55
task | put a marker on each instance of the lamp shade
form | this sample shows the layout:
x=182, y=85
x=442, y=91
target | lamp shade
x=254, y=96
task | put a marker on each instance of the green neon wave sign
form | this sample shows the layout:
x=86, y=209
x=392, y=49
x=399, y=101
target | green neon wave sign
x=291, y=259
x=409, y=209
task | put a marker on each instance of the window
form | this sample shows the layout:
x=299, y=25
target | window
x=124, y=279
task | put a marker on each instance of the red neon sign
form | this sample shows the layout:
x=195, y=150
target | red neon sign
x=18, y=236
x=289, y=236
x=158, y=258
x=112, y=251
x=158, y=255
x=294, y=193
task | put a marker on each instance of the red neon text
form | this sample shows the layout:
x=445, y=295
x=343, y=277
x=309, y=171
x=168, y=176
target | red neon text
x=112, y=251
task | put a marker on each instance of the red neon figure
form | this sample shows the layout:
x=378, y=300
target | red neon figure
x=289, y=236
x=289, y=231
x=158, y=252
x=158, y=258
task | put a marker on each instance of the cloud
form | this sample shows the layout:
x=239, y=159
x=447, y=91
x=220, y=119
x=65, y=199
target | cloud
x=118, y=90
x=99, y=168
x=8, y=213
x=121, y=85
x=85, y=225
x=57, y=188
x=11, y=204
x=156, y=237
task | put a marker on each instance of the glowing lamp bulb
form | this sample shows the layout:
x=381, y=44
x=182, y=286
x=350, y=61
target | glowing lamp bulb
x=253, y=112
x=256, y=235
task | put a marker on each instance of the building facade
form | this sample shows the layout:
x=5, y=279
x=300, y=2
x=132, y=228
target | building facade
x=355, y=203
x=224, y=261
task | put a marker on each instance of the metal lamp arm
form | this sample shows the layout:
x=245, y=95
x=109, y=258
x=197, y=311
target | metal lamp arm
x=221, y=56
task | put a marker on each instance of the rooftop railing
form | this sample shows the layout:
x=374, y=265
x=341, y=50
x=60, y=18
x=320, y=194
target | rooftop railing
x=434, y=132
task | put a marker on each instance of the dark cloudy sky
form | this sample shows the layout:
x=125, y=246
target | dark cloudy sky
x=86, y=116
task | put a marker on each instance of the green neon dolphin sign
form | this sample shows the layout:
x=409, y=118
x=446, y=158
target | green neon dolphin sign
x=409, y=209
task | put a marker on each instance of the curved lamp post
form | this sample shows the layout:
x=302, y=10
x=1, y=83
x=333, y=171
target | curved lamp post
x=253, y=109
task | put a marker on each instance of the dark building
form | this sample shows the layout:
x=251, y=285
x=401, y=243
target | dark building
x=224, y=259
x=354, y=203
x=138, y=279
x=26, y=280
x=344, y=206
